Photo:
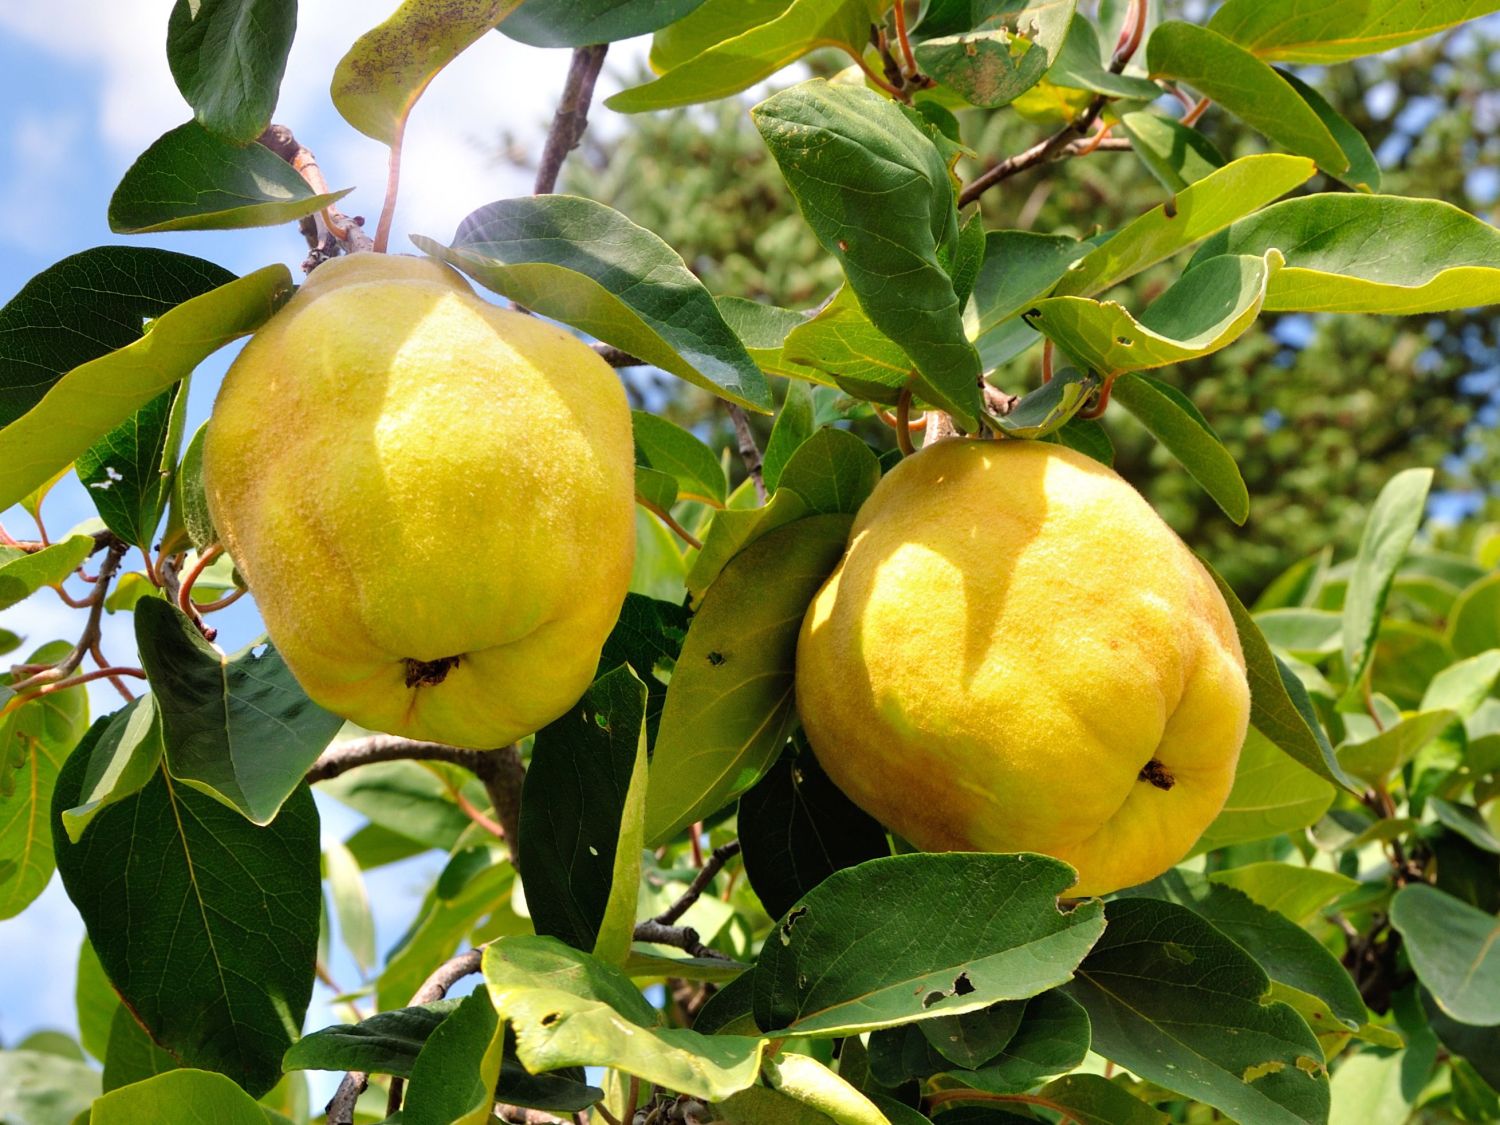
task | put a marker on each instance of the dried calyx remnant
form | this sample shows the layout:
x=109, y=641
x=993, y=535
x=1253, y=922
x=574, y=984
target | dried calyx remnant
x=1156, y=773
x=427, y=673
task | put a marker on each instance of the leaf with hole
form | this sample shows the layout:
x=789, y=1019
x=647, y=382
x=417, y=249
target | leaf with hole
x=569, y=1009
x=729, y=705
x=830, y=967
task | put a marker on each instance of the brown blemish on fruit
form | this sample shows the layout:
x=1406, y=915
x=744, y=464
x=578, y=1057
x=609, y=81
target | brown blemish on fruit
x=1157, y=774
x=429, y=673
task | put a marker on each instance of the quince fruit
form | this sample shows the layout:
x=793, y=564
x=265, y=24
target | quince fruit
x=1017, y=654
x=431, y=499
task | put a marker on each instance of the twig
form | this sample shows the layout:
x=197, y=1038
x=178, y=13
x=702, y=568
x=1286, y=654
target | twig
x=1056, y=147
x=749, y=451
x=330, y=231
x=618, y=357
x=572, y=116
x=711, y=868
x=903, y=423
x=435, y=987
x=185, y=588
x=499, y=771
x=667, y=518
x=679, y=937
x=91, y=632
x=903, y=39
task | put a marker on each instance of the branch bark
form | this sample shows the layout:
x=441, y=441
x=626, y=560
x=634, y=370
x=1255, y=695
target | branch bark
x=749, y=451
x=721, y=855
x=329, y=232
x=572, y=116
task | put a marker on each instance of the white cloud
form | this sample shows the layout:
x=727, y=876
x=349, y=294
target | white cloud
x=450, y=165
x=34, y=200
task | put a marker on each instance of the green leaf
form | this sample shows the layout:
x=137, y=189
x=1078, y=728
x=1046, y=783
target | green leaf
x=383, y=74
x=111, y=289
x=1480, y=1045
x=1080, y=66
x=1464, y=686
x=1092, y=1099
x=35, y=739
x=128, y=471
x=1053, y=1037
x=1296, y=892
x=752, y=54
x=386, y=1043
x=568, y=1009
x=1363, y=172
x=587, y=265
x=1271, y=794
x=1279, y=707
x=1222, y=70
x=1208, y=308
x=1455, y=950
x=1371, y=254
x=1388, y=533
x=711, y=23
x=648, y=636
x=238, y=728
x=1290, y=955
x=192, y=179
x=1375, y=759
x=1467, y=821
x=729, y=705
x=974, y=1038
x=734, y=529
x=1306, y=633
x=579, y=23
x=351, y=904
x=179, y=1095
x=1087, y=437
x=1048, y=408
x=121, y=760
x=581, y=818
x=878, y=195
x=1474, y=622
x=95, y=1002
x=844, y=347
x=797, y=828
x=833, y=471
x=831, y=968
x=229, y=991
x=1175, y=154
x=655, y=488
x=38, y=1088
x=97, y=395
x=1308, y=31
x=131, y=1056
x=454, y=1075
x=189, y=501
x=668, y=448
x=1199, y=210
x=1175, y=422
x=795, y=423
x=22, y=574
x=1019, y=267
x=1002, y=57
x=1177, y=1003
x=763, y=330
x=227, y=57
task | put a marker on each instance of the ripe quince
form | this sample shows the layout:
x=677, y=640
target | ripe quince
x=430, y=498
x=1017, y=654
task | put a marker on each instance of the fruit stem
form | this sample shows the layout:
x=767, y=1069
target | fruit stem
x=392, y=188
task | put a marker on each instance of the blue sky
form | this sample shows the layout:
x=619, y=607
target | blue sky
x=86, y=89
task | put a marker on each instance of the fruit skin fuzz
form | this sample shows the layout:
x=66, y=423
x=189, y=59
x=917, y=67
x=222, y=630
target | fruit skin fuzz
x=431, y=499
x=1017, y=654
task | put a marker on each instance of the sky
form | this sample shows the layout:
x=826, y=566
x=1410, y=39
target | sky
x=86, y=89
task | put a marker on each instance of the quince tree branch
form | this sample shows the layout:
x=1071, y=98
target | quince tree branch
x=329, y=232
x=572, y=116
